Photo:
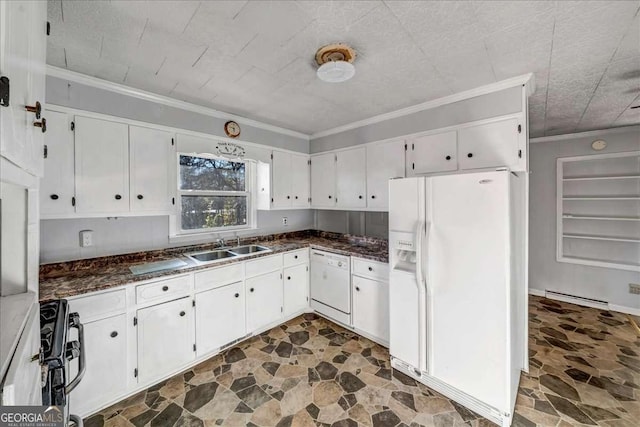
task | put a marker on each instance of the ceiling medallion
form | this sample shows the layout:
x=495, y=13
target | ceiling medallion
x=336, y=63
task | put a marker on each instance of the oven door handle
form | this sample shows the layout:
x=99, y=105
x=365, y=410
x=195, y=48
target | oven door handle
x=76, y=420
x=81, y=362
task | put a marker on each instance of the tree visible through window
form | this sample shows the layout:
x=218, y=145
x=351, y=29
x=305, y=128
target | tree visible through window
x=213, y=193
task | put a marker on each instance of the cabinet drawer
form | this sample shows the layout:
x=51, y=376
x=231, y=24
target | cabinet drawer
x=163, y=289
x=217, y=277
x=263, y=265
x=93, y=307
x=372, y=269
x=295, y=257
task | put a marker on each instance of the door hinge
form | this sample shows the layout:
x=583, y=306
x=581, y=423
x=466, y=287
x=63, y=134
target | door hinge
x=173, y=141
x=193, y=303
x=73, y=126
x=335, y=157
x=135, y=321
x=281, y=309
x=519, y=128
x=307, y=268
x=73, y=201
x=271, y=156
x=173, y=200
x=413, y=166
x=48, y=30
x=405, y=147
x=280, y=275
x=46, y=151
x=194, y=347
x=4, y=91
x=309, y=162
x=520, y=153
x=135, y=373
x=413, y=147
x=309, y=199
x=272, y=200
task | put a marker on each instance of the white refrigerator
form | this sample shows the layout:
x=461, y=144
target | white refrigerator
x=458, y=288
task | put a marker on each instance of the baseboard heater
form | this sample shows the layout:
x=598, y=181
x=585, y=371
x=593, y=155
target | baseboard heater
x=573, y=299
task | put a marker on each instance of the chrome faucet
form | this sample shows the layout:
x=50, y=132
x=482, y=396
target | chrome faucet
x=220, y=242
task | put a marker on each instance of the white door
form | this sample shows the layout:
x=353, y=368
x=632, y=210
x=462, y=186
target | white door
x=323, y=180
x=432, y=153
x=281, y=179
x=351, y=179
x=371, y=307
x=107, y=374
x=102, y=166
x=57, y=188
x=489, y=145
x=152, y=156
x=165, y=338
x=220, y=317
x=406, y=204
x=299, y=177
x=264, y=300
x=296, y=288
x=467, y=281
x=384, y=161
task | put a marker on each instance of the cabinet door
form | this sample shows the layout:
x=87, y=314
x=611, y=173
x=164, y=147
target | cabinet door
x=106, y=355
x=264, y=300
x=220, y=317
x=323, y=180
x=281, y=179
x=384, y=161
x=351, y=178
x=296, y=288
x=299, y=178
x=432, y=153
x=102, y=166
x=165, y=338
x=151, y=159
x=371, y=307
x=57, y=187
x=489, y=145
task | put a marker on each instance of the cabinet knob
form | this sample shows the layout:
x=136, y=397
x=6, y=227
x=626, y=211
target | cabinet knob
x=296, y=197
x=288, y=197
x=118, y=197
x=373, y=197
x=295, y=257
x=140, y=197
x=54, y=197
x=37, y=109
x=251, y=290
x=448, y=157
x=288, y=277
x=236, y=295
x=357, y=289
x=165, y=288
x=114, y=334
x=182, y=313
x=359, y=197
x=470, y=155
x=42, y=124
x=370, y=268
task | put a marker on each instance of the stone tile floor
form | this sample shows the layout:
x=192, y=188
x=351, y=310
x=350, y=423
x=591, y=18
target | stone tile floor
x=585, y=370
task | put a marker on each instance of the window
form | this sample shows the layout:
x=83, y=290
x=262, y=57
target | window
x=213, y=194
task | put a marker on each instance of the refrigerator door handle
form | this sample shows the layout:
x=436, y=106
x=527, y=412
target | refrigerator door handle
x=419, y=275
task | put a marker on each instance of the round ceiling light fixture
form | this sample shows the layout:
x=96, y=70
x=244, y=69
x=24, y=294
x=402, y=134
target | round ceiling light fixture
x=335, y=63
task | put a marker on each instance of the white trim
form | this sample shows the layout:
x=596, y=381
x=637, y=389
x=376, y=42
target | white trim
x=587, y=134
x=624, y=309
x=585, y=302
x=95, y=82
x=527, y=80
x=537, y=292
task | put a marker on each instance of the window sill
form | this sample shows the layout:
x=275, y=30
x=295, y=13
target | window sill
x=208, y=236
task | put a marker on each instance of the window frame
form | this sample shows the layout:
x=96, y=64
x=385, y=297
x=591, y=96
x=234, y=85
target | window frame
x=247, y=193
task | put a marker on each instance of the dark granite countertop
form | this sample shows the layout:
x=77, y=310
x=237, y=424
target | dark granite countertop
x=67, y=279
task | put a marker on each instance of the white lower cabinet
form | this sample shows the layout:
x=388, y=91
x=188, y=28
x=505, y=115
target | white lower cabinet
x=220, y=317
x=296, y=288
x=371, y=307
x=106, y=377
x=264, y=299
x=165, y=338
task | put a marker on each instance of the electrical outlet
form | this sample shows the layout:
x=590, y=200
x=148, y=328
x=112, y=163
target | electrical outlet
x=285, y=221
x=86, y=238
x=634, y=288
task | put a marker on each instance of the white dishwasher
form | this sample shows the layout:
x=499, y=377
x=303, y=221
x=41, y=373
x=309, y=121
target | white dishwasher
x=331, y=285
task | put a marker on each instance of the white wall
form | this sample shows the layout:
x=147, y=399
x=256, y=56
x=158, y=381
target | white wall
x=371, y=224
x=545, y=273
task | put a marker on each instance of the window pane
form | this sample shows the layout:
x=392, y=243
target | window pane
x=199, y=173
x=213, y=211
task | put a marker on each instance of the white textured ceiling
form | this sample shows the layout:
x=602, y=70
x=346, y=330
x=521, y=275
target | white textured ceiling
x=255, y=58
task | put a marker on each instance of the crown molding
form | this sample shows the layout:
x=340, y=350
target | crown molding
x=95, y=82
x=587, y=134
x=526, y=80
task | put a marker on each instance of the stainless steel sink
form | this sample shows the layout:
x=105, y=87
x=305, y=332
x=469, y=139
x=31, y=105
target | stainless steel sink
x=211, y=256
x=248, y=249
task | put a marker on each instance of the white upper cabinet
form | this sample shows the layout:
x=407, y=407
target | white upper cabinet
x=384, y=161
x=22, y=61
x=432, y=153
x=284, y=185
x=102, y=166
x=323, y=180
x=152, y=159
x=351, y=181
x=299, y=177
x=490, y=145
x=281, y=179
x=57, y=189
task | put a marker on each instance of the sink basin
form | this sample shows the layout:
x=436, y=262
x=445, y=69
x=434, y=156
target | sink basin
x=211, y=256
x=249, y=249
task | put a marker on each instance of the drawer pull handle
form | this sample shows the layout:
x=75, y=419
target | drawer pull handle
x=114, y=334
x=251, y=290
x=237, y=295
x=54, y=197
x=182, y=313
x=165, y=288
x=370, y=268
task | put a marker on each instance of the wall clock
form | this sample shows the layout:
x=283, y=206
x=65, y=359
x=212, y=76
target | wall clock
x=232, y=129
